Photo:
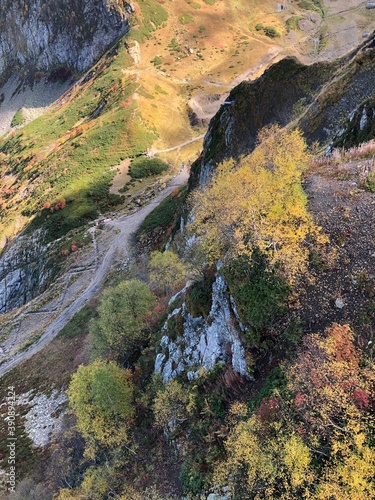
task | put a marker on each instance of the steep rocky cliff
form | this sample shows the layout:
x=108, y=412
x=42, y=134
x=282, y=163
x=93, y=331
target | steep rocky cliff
x=317, y=98
x=202, y=342
x=42, y=34
x=324, y=99
x=24, y=271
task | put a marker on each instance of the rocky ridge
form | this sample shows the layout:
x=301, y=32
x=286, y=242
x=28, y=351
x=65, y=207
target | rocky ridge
x=41, y=34
x=318, y=98
x=204, y=342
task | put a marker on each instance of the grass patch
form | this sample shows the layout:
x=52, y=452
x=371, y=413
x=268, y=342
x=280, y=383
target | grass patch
x=164, y=214
x=18, y=119
x=144, y=167
x=314, y=5
x=160, y=90
x=30, y=342
x=153, y=15
x=68, y=155
x=185, y=19
x=49, y=369
x=79, y=324
x=293, y=23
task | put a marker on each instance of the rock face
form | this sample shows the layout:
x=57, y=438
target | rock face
x=317, y=98
x=24, y=271
x=360, y=126
x=204, y=343
x=43, y=34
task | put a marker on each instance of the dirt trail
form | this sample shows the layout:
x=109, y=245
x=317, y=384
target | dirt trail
x=125, y=225
x=205, y=107
x=179, y=146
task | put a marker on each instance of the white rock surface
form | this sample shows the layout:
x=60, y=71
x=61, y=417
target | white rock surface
x=203, y=343
x=40, y=423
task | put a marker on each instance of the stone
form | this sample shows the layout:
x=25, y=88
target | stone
x=216, y=496
x=339, y=303
x=41, y=420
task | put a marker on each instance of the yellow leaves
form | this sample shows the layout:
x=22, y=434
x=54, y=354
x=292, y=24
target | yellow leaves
x=259, y=203
x=269, y=464
x=170, y=407
x=297, y=460
x=101, y=396
x=351, y=478
x=326, y=416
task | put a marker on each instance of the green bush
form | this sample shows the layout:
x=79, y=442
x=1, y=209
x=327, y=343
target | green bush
x=144, y=167
x=191, y=478
x=370, y=182
x=271, y=32
x=175, y=326
x=157, y=61
x=260, y=294
x=276, y=380
x=79, y=324
x=199, y=296
x=259, y=27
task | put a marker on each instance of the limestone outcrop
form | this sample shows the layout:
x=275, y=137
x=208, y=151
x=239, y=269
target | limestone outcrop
x=44, y=34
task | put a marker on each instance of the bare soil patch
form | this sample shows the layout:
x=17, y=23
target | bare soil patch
x=342, y=290
x=121, y=178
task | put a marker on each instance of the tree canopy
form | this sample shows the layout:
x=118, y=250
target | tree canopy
x=166, y=271
x=119, y=327
x=101, y=396
x=259, y=202
x=314, y=439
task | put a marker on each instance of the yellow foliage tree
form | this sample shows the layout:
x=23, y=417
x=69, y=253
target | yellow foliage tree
x=351, y=478
x=266, y=464
x=259, y=203
x=325, y=413
x=101, y=397
x=166, y=271
x=331, y=391
x=170, y=407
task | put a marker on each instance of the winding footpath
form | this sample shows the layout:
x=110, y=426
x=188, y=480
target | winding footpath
x=126, y=226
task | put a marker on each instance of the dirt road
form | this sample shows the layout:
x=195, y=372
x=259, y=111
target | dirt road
x=125, y=226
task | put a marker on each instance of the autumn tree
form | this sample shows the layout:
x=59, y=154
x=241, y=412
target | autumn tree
x=258, y=202
x=266, y=461
x=313, y=439
x=166, y=272
x=120, y=328
x=101, y=397
x=330, y=391
x=170, y=407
